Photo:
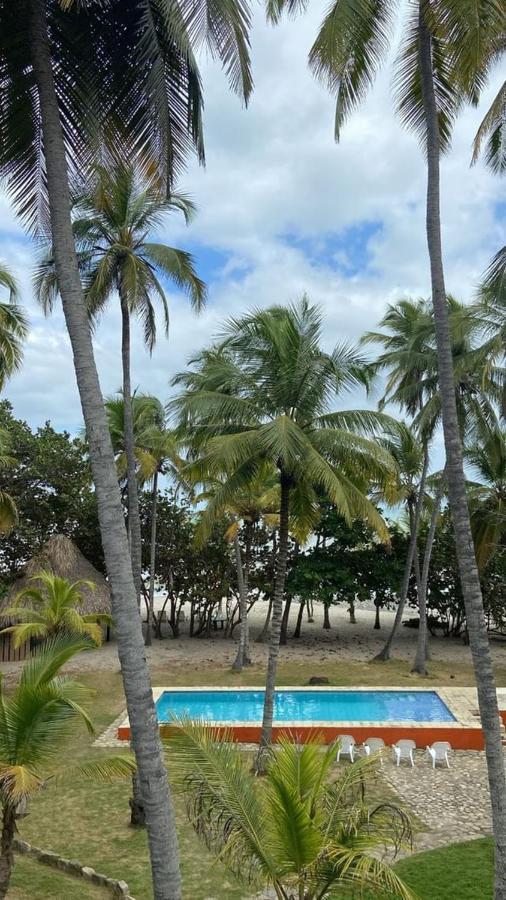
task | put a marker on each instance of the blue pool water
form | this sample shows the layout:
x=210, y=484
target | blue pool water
x=305, y=706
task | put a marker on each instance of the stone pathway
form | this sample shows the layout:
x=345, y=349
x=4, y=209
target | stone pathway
x=453, y=803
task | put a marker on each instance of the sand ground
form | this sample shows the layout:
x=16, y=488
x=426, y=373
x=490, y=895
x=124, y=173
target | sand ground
x=359, y=642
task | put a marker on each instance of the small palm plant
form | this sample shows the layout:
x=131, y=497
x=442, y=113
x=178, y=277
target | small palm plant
x=35, y=722
x=50, y=608
x=299, y=830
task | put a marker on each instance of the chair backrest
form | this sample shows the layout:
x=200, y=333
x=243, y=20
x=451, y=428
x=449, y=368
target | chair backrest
x=405, y=745
x=374, y=743
x=346, y=741
x=441, y=747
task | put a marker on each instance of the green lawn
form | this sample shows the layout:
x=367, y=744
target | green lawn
x=458, y=872
x=89, y=822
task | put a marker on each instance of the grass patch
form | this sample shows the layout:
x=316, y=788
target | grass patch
x=32, y=879
x=464, y=871
x=343, y=673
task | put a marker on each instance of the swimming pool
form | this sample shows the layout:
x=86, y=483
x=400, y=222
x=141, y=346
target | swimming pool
x=310, y=707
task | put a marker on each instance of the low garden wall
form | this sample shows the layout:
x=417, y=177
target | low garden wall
x=73, y=867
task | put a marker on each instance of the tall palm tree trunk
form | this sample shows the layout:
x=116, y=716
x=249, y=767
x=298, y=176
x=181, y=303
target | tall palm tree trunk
x=422, y=642
x=386, y=652
x=6, y=847
x=277, y=614
x=468, y=570
x=134, y=520
x=152, y=560
x=240, y=659
x=298, y=625
x=141, y=710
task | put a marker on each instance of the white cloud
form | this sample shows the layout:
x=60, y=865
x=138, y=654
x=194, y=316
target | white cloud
x=274, y=170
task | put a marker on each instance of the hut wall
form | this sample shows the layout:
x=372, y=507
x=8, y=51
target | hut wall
x=10, y=654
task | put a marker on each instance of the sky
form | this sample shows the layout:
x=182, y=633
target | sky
x=282, y=210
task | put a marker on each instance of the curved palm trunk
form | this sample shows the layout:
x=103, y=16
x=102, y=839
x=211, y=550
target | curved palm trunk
x=152, y=561
x=385, y=653
x=240, y=659
x=422, y=642
x=277, y=613
x=141, y=710
x=6, y=844
x=134, y=520
x=480, y=649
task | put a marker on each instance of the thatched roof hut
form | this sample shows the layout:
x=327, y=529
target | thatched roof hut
x=61, y=557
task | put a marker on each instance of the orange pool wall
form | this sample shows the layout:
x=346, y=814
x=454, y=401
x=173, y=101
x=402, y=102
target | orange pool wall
x=459, y=738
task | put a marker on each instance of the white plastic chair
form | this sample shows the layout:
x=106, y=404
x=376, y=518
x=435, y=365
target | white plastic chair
x=346, y=746
x=438, y=752
x=374, y=745
x=404, y=750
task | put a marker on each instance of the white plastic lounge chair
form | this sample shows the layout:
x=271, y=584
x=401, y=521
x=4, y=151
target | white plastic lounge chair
x=438, y=752
x=404, y=750
x=346, y=746
x=373, y=745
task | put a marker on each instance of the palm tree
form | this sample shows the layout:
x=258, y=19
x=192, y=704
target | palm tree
x=443, y=63
x=155, y=452
x=487, y=457
x=111, y=227
x=255, y=501
x=408, y=490
x=261, y=397
x=13, y=328
x=8, y=509
x=35, y=721
x=48, y=608
x=129, y=69
x=298, y=831
x=410, y=360
x=493, y=130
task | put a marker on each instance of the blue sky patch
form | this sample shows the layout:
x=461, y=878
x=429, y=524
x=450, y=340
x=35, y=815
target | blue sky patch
x=348, y=250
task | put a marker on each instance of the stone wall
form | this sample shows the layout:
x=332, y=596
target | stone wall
x=73, y=867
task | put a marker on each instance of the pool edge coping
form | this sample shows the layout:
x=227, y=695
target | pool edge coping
x=461, y=703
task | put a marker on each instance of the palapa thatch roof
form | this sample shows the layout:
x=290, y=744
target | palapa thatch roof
x=60, y=556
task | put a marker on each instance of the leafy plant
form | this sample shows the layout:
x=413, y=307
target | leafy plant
x=304, y=829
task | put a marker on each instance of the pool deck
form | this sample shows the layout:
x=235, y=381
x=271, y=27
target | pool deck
x=464, y=733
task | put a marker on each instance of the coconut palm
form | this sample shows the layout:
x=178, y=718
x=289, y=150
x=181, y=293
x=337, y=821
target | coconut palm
x=493, y=130
x=155, y=453
x=128, y=68
x=409, y=360
x=301, y=830
x=444, y=61
x=256, y=501
x=262, y=397
x=406, y=490
x=13, y=328
x=490, y=318
x=35, y=722
x=487, y=458
x=8, y=509
x=49, y=607
x=111, y=228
